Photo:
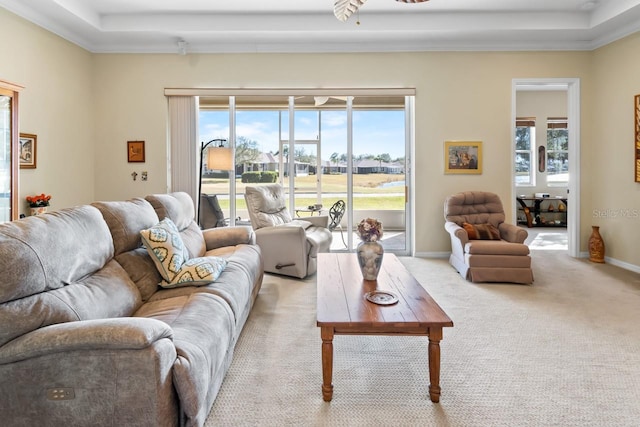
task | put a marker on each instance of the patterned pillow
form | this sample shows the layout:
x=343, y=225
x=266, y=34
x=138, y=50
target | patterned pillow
x=198, y=271
x=165, y=246
x=481, y=231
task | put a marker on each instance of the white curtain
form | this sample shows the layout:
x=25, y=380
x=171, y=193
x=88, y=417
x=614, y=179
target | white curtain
x=183, y=145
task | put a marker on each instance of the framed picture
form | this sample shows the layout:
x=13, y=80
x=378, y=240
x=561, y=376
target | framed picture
x=135, y=151
x=28, y=145
x=464, y=157
x=637, y=142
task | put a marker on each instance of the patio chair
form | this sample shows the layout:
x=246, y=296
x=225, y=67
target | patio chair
x=289, y=246
x=483, y=247
x=336, y=212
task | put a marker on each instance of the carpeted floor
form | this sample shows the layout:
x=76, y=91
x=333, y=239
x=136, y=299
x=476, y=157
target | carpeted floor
x=562, y=352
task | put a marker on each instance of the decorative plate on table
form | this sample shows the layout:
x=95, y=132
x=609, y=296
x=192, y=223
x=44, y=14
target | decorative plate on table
x=381, y=297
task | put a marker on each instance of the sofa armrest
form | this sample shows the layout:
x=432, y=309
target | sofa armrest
x=281, y=236
x=318, y=221
x=220, y=237
x=512, y=233
x=125, y=333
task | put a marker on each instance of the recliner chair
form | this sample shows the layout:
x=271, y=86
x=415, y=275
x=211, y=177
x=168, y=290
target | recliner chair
x=483, y=247
x=289, y=246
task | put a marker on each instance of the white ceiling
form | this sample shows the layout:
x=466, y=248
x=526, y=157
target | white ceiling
x=310, y=26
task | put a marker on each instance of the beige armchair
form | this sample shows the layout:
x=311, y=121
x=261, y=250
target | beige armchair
x=289, y=246
x=483, y=247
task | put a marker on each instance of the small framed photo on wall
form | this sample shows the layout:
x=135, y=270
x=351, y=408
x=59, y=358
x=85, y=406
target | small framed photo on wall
x=135, y=151
x=28, y=145
x=463, y=157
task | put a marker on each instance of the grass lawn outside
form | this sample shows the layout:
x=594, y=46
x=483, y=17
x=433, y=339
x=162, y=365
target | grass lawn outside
x=367, y=191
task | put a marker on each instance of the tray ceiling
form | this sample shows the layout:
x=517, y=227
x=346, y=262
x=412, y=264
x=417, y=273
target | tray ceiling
x=209, y=26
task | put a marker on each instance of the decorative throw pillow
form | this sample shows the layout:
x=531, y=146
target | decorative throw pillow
x=198, y=271
x=165, y=246
x=481, y=231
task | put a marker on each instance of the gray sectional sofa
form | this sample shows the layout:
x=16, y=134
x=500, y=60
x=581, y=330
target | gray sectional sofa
x=87, y=336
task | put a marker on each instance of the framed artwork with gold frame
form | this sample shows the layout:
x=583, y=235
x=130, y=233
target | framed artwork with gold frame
x=135, y=151
x=637, y=135
x=463, y=157
x=27, y=153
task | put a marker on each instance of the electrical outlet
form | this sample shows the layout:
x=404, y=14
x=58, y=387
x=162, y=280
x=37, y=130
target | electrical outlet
x=61, y=393
x=144, y=176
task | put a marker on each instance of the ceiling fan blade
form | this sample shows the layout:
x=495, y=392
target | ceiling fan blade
x=321, y=100
x=343, y=9
x=412, y=1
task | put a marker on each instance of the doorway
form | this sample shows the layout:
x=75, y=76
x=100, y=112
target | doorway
x=569, y=88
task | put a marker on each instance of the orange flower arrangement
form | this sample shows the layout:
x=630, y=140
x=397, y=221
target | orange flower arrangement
x=39, y=200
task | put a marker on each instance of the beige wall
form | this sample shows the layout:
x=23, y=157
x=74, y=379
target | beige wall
x=56, y=105
x=616, y=197
x=460, y=95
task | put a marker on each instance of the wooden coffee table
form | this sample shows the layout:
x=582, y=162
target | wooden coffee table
x=344, y=309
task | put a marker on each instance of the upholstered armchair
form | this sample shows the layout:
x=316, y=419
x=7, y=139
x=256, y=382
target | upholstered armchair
x=289, y=246
x=483, y=247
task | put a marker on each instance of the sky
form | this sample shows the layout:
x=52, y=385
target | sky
x=374, y=132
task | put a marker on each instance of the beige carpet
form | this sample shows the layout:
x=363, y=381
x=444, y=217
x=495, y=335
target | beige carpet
x=562, y=352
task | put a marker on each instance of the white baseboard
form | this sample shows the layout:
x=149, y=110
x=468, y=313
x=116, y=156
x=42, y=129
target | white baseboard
x=622, y=264
x=616, y=262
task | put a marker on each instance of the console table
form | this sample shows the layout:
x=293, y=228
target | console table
x=535, y=209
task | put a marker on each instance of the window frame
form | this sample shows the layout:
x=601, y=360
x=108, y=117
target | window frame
x=526, y=122
x=553, y=124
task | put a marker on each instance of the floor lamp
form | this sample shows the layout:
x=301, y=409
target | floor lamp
x=219, y=157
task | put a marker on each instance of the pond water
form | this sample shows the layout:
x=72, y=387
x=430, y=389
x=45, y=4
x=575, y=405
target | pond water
x=392, y=184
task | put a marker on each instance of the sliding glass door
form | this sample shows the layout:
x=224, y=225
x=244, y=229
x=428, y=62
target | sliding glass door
x=347, y=152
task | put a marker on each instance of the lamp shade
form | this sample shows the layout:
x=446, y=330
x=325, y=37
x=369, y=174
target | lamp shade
x=219, y=158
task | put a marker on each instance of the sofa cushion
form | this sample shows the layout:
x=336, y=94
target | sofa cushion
x=481, y=231
x=203, y=331
x=238, y=284
x=49, y=251
x=107, y=293
x=142, y=270
x=197, y=271
x=179, y=207
x=125, y=220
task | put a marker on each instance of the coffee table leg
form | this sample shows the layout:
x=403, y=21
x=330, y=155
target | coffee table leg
x=435, y=335
x=326, y=334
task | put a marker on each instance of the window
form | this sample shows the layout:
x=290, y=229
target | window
x=321, y=146
x=525, y=136
x=557, y=151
